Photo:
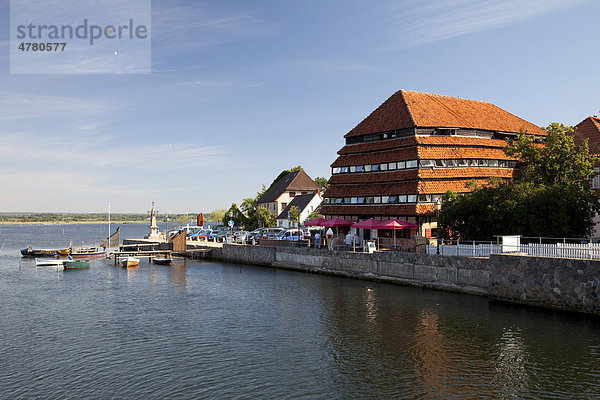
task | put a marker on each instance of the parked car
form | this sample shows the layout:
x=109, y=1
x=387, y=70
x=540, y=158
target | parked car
x=217, y=235
x=263, y=233
x=293, y=234
x=200, y=234
x=253, y=235
x=241, y=236
x=310, y=232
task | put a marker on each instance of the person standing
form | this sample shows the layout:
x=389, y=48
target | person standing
x=318, y=241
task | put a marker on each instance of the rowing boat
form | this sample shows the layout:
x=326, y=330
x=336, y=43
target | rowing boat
x=49, y=263
x=77, y=264
x=130, y=262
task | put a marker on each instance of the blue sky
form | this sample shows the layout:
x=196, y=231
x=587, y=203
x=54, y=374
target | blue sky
x=241, y=90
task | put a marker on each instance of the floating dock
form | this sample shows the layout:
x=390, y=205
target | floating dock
x=150, y=248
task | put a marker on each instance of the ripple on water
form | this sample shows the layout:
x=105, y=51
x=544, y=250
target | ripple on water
x=213, y=330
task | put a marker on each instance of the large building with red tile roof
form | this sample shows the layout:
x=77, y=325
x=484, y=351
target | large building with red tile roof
x=414, y=148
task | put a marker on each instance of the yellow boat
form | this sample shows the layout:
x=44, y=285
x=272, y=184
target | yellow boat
x=130, y=262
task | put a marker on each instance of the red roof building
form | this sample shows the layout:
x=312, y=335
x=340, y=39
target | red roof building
x=414, y=148
x=589, y=129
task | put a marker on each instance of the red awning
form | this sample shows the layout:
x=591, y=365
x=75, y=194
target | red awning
x=368, y=224
x=396, y=224
x=315, y=222
x=336, y=222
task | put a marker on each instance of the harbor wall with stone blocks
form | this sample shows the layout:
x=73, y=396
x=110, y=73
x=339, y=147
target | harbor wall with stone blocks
x=547, y=282
x=564, y=283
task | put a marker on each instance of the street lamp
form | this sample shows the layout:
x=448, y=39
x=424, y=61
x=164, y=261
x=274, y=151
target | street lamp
x=438, y=207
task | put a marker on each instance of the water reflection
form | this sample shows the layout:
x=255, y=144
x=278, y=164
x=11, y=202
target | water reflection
x=215, y=330
x=431, y=362
x=177, y=276
x=510, y=364
x=370, y=304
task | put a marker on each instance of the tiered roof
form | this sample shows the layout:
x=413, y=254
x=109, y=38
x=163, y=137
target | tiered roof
x=406, y=110
x=409, y=109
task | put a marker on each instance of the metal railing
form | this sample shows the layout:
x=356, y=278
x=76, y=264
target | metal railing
x=537, y=247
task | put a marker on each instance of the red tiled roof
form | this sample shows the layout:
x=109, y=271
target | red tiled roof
x=441, y=153
x=442, y=186
x=409, y=109
x=379, y=145
x=589, y=128
x=395, y=209
x=372, y=189
x=437, y=173
x=425, y=209
x=374, y=177
x=460, y=141
x=408, y=153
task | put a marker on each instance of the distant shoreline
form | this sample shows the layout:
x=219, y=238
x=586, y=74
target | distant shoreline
x=69, y=222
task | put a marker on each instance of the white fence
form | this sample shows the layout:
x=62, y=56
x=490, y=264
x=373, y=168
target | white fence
x=560, y=250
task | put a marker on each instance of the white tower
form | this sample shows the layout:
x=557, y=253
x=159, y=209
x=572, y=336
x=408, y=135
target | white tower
x=154, y=233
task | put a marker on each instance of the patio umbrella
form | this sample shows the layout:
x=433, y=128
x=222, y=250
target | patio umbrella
x=396, y=224
x=368, y=224
x=336, y=222
x=315, y=222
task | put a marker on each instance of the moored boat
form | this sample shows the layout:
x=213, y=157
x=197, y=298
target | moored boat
x=30, y=252
x=88, y=252
x=77, y=264
x=49, y=262
x=130, y=262
x=162, y=260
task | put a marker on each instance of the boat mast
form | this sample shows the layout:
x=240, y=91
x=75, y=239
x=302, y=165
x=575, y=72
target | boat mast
x=108, y=244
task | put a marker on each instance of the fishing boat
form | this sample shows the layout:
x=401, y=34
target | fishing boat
x=30, y=252
x=130, y=262
x=162, y=260
x=88, y=252
x=77, y=264
x=49, y=262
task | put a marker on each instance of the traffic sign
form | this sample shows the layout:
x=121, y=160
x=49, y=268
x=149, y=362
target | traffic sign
x=230, y=223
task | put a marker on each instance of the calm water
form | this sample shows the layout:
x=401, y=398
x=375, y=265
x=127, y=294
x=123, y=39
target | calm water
x=226, y=331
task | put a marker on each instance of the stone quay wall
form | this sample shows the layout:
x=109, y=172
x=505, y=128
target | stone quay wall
x=460, y=274
x=562, y=283
x=547, y=282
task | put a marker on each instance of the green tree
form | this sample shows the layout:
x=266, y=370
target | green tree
x=216, y=215
x=235, y=214
x=559, y=161
x=551, y=197
x=184, y=218
x=295, y=215
x=322, y=182
x=264, y=218
x=315, y=214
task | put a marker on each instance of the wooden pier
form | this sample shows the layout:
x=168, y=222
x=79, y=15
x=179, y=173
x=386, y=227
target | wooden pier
x=141, y=253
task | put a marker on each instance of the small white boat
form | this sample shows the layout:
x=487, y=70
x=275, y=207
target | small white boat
x=49, y=262
x=130, y=262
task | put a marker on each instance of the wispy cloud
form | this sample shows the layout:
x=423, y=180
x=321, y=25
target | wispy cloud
x=414, y=24
x=26, y=106
x=193, y=25
x=97, y=152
